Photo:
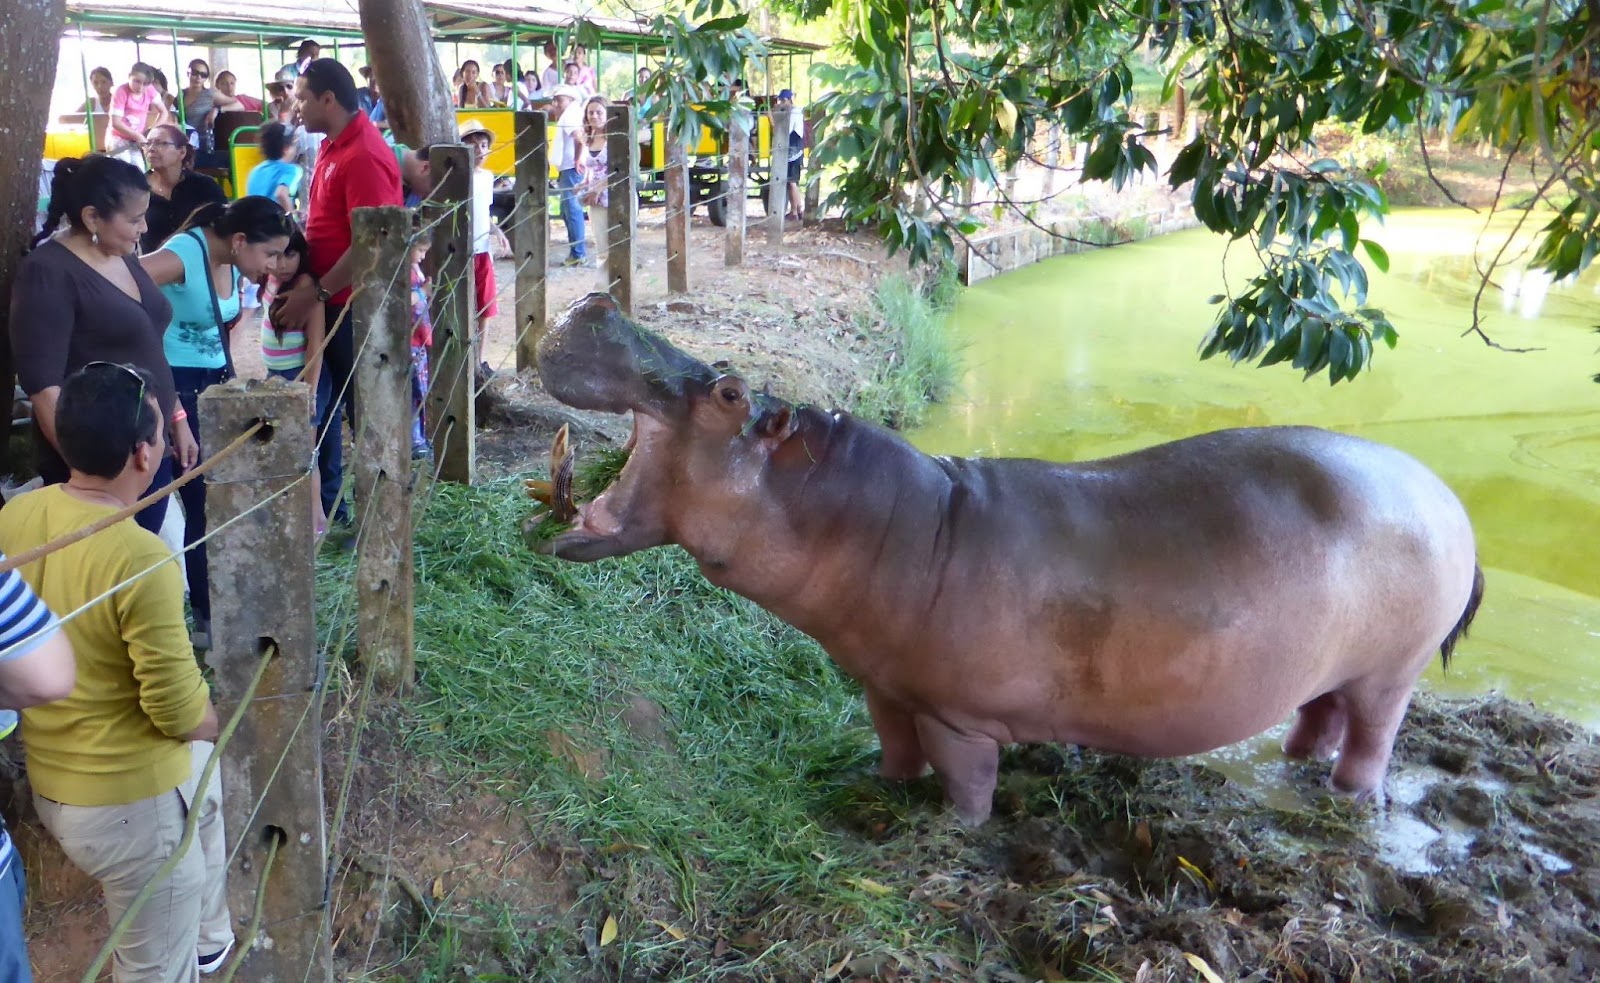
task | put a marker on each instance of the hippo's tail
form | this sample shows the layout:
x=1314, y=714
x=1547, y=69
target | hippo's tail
x=1448, y=646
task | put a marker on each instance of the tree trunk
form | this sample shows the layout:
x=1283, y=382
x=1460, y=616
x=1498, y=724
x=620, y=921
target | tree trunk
x=416, y=91
x=30, y=39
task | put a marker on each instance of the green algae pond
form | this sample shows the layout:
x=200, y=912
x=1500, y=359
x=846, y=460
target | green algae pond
x=1091, y=355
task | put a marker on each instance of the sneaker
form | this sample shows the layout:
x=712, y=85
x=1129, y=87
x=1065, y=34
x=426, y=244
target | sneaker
x=200, y=638
x=210, y=964
x=575, y=261
x=420, y=452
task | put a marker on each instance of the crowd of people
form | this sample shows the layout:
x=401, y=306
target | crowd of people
x=122, y=314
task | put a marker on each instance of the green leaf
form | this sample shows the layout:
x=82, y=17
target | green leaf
x=1378, y=255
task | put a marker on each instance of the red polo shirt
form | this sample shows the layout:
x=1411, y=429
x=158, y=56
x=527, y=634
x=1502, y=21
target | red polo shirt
x=356, y=169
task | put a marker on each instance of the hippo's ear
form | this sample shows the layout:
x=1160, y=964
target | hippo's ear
x=776, y=425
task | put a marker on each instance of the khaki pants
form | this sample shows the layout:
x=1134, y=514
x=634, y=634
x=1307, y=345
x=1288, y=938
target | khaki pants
x=122, y=846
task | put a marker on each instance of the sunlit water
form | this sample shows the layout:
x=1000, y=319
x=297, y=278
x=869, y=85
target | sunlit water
x=1090, y=355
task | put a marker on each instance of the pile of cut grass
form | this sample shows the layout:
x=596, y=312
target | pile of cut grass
x=526, y=665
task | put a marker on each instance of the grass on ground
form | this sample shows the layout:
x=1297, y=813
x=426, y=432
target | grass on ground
x=728, y=826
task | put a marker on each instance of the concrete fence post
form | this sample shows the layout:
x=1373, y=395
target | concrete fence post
x=622, y=219
x=778, y=176
x=736, y=188
x=677, y=217
x=262, y=553
x=381, y=312
x=452, y=421
x=530, y=234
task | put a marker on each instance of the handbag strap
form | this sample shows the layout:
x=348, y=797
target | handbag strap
x=216, y=304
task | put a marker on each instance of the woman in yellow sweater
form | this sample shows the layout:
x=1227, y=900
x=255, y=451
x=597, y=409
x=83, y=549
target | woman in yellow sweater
x=115, y=765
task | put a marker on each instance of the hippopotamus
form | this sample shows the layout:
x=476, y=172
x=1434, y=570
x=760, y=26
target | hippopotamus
x=1159, y=603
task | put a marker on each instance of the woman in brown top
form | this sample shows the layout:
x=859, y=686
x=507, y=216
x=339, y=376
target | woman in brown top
x=81, y=296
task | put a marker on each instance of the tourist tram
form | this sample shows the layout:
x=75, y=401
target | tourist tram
x=169, y=33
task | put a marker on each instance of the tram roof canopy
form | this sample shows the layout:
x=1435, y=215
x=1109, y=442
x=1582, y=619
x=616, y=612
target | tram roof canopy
x=285, y=23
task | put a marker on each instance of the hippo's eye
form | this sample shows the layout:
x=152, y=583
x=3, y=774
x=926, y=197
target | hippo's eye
x=731, y=395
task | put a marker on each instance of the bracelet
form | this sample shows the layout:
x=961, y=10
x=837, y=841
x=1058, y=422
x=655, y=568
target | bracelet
x=180, y=416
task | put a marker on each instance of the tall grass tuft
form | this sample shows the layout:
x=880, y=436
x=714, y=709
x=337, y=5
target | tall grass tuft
x=924, y=365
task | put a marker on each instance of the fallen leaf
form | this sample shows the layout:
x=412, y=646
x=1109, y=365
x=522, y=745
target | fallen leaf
x=1095, y=929
x=438, y=889
x=1234, y=917
x=1141, y=839
x=837, y=967
x=1202, y=967
x=720, y=949
x=1100, y=896
x=1109, y=915
x=869, y=885
x=1146, y=973
x=673, y=930
x=608, y=931
x=1502, y=915
x=623, y=847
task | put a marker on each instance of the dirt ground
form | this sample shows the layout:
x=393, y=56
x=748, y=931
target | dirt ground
x=1484, y=864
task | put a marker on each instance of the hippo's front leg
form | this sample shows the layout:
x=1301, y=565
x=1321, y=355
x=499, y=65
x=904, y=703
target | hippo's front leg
x=967, y=765
x=903, y=759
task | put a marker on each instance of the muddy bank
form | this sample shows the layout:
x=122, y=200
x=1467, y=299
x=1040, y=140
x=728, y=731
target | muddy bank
x=1482, y=866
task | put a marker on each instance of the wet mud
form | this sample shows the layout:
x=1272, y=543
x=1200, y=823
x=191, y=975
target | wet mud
x=1480, y=866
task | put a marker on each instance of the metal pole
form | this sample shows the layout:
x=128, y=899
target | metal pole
x=177, y=73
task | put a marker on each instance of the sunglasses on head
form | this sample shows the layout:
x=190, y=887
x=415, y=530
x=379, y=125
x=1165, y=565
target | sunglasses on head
x=130, y=371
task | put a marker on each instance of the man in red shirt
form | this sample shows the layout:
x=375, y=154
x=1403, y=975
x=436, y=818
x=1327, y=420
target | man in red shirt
x=355, y=169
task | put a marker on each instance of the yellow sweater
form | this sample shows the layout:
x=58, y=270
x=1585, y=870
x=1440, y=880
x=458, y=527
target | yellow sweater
x=119, y=737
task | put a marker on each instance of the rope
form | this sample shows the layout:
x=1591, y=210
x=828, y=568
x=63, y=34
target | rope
x=45, y=549
x=190, y=824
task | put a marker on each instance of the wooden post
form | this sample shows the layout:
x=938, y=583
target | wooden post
x=622, y=219
x=735, y=188
x=677, y=217
x=263, y=552
x=381, y=312
x=778, y=176
x=530, y=232
x=452, y=423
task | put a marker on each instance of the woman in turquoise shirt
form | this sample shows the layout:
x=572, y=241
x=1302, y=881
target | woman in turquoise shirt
x=198, y=270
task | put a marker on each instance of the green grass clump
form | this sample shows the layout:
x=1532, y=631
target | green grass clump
x=924, y=365
x=727, y=828
x=596, y=470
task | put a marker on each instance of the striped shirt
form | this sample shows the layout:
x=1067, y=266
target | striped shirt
x=25, y=624
x=281, y=352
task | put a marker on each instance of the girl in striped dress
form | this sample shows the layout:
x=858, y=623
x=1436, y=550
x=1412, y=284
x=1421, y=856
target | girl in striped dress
x=294, y=354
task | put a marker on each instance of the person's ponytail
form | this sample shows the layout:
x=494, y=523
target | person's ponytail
x=96, y=181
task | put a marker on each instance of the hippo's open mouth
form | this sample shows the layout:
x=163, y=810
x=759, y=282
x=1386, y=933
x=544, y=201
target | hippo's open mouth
x=595, y=358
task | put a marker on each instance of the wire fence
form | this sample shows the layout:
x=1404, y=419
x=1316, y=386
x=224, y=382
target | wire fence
x=529, y=208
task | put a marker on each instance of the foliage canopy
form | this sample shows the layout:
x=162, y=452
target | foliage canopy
x=937, y=91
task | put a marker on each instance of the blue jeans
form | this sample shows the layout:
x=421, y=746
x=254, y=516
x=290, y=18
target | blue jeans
x=572, y=212
x=338, y=371
x=13, y=898
x=190, y=383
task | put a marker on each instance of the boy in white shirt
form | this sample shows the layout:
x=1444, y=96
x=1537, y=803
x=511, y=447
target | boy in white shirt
x=486, y=236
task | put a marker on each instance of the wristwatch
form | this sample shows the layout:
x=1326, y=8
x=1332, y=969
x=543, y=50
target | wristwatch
x=322, y=292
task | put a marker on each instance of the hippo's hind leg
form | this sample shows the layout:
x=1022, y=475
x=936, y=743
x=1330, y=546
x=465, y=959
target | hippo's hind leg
x=903, y=758
x=1319, y=728
x=1376, y=709
x=967, y=764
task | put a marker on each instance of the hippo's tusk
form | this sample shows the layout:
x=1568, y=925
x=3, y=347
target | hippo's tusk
x=562, y=462
x=538, y=490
